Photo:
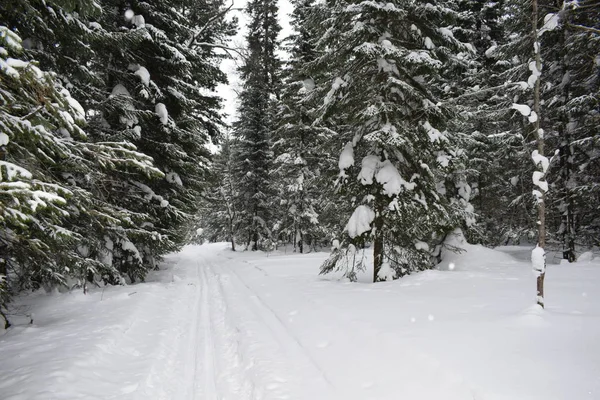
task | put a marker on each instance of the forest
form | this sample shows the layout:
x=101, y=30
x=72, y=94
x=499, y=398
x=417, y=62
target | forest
x=376, y=127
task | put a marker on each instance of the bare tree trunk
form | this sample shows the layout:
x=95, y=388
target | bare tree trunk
x=378, y=242
x=539, y=135
x=295, y=234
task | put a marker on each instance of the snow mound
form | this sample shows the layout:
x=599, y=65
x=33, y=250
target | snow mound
x=457, y=254
x=588, y=256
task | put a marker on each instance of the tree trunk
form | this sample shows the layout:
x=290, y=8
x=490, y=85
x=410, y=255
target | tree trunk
x=541, y=270
x=378, y=242
x=295, y=235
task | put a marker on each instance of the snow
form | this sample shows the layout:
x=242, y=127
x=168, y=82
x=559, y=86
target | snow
x=163, y=114
x=489, y=53
x=587, y=256
x=386, y=43
x=551, y=22
x=346, y=158
x=533, y=117
x=360, y=221
x=173, y=177
x=428, y=43
x=421, y=246
x=537, y=180
x=392, y=181
x=120, y=90
x=76, y=108
x=11, y=39
x=217, y=324
x=386, y=273
x=13, y=171
x=539, y=159
x=16, y=63
x=524, y=109
x=447, y=33
x=335, y=86
x=309, y=84
x=4, y=139
x=535, y=74
x=370, y=164
x=129, y=14
x=539, y=196
x=144, y=75
x=434, y=134
x=105, y=255
x=138, y=21
x=126, y=245
x=538, y=260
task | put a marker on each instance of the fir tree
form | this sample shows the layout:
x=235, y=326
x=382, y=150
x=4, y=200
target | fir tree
x=298, y=145
x=219, y=214
x=43, y=148
x=256, y=124
x=387, y=58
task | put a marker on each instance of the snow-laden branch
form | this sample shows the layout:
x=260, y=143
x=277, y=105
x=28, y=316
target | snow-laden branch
x=585, y=28
x=210, y=21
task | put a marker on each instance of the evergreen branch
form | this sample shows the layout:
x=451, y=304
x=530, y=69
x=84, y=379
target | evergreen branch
x=220, y=46
x=585, y=28
x=31, y=114
x=208, y=23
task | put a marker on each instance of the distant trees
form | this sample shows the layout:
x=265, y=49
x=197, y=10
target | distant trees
x=252, y=150
x=392, y=123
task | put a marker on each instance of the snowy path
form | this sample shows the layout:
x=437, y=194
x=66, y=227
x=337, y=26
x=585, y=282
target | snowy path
x=217, y=325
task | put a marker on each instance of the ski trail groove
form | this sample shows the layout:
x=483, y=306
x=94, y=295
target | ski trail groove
x=208, y=362
x=223, y=366
x=288, y=343
x=193, y=338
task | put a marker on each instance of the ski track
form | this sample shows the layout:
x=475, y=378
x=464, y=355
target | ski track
x=208, y=360
x=447, y=380
x=291, y=347
x=241, y=327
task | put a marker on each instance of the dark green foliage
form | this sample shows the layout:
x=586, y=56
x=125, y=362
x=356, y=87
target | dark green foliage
x=254, y=129
x=125, y=177
x=386, y=60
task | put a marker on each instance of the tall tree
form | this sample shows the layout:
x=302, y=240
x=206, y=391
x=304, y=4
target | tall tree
x=254, y=129
x=43, y=149
x=220, y=218
x=298, y=144
x=146, y=89
x=388, y=58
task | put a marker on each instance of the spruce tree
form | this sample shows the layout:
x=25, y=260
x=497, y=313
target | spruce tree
x=219, y=214
x=254, y=129
x=136, y=212
x=571, y=97
x=387, y=58
x=298, y=144
x=43, y=147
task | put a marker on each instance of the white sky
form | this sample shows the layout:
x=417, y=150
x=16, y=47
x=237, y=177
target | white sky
x=228, y=92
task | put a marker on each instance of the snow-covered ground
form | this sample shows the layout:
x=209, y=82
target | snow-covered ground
x=214, y=324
